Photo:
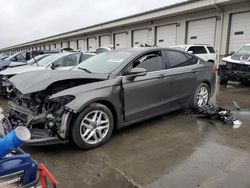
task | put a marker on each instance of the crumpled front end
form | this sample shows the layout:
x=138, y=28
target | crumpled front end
x=47, y=120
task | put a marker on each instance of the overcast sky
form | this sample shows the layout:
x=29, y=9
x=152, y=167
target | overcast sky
x=26, y=20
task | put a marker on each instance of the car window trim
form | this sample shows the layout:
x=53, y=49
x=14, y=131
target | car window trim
x=137, y=57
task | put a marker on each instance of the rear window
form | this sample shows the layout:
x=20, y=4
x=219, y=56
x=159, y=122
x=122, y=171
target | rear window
x=210, y=49
x=177, y=59
x=197, y=49
x=193, y=60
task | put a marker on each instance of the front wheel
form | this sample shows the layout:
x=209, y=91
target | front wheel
x=93, y=126
x=201, y=96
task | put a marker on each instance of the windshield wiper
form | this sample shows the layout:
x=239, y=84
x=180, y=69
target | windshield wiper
x=86, y=70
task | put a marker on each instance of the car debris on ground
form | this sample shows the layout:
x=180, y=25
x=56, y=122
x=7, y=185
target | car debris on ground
x=213, y=112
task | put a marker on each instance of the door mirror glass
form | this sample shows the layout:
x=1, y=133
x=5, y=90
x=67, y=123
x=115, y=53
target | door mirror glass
x=53, y=66
x=135, y=72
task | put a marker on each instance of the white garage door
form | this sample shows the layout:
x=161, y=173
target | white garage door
x=166, y=35
x=240, y=31
x=73, y=45
x=58, y=45
x=140, y=37
x=91, y=44
x=120, y=40
x=202, y=31
x=65, y=45
x=104, y=40
x=82, y=44
x=47, y=47
x=52, y=46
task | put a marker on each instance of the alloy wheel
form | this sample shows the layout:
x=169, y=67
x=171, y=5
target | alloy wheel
x=94, y=127
x=202, y=96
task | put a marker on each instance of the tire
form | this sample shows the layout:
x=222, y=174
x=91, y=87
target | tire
x=223, y=81
x=198, y=94
x=91, y=118
x=211, y=61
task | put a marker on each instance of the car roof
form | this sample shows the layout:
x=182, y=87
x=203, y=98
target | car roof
x=139, y=49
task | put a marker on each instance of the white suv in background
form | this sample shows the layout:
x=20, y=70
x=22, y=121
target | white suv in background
x=205, y=52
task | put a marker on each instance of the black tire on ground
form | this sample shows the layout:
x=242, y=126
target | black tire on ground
x=222, y=81
x=75, y=131
x=195, y=101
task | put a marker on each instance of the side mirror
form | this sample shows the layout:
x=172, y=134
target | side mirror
x=136, y=72
x=52, y=66
x=191, y=52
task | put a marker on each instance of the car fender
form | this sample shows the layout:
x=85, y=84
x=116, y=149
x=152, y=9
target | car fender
x=108, y=91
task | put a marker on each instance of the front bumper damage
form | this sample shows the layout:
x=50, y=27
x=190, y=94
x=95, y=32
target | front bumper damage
x=42, y=126
x=235, y=72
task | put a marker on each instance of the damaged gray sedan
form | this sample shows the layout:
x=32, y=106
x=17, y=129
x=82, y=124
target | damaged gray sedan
x=107, y=92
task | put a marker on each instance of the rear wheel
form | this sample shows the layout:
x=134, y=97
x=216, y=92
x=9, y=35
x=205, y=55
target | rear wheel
x=202, y=95
x=93, y=126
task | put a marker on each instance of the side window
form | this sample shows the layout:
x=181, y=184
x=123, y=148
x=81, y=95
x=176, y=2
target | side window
x=177, y=59
x=150, y=62
x=20, y=58
x=198, y=49
x=193, y=60
x=66, y=61
x=210, y=49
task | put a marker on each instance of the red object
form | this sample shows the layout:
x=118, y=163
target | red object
x=214, y=68
x=45, y=173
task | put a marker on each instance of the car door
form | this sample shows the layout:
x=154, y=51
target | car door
x=67, y=62
x=199, y=51
x=143, y=96
x=182, y=76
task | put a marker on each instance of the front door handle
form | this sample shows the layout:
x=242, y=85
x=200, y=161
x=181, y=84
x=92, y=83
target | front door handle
x=163, y=76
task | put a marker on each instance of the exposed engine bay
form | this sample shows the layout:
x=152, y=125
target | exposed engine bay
x=44, y=117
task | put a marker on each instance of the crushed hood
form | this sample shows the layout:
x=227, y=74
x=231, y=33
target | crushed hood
x=20, y=69
x=236, y=60
x=35, y=81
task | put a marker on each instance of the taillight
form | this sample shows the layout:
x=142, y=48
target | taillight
x=213, y=68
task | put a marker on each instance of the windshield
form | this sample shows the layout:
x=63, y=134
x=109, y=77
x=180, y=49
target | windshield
x=4, y=57
x=105, y=62
x=38, y=58
x=45, y=61
x=244, y=50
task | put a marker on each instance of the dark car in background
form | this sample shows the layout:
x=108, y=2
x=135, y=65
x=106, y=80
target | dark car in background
x=21, y=58
x=236, y=67
x=109, y=91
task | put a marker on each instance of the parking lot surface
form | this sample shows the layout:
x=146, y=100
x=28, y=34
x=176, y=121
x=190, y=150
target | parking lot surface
x=175, y=150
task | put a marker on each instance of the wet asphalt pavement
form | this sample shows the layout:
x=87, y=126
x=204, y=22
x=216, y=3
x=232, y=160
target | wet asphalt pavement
x=175, y=150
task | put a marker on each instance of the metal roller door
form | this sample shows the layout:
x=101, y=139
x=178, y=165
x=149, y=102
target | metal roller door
x=201, y=31
x=73, y=45
x=166, y=35
x=82, y=44
x=140, y=37
x=104, y=40
x=91, y=44
x=120, y=40
x=52, y=46
x=58, y=46
x=239, y=31
x=65, y=45
x=47, y=47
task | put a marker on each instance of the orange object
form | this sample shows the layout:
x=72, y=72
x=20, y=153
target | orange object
x=45, y=173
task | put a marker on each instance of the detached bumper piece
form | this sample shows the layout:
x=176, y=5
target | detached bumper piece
x=41, y=137
x=216, y=112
